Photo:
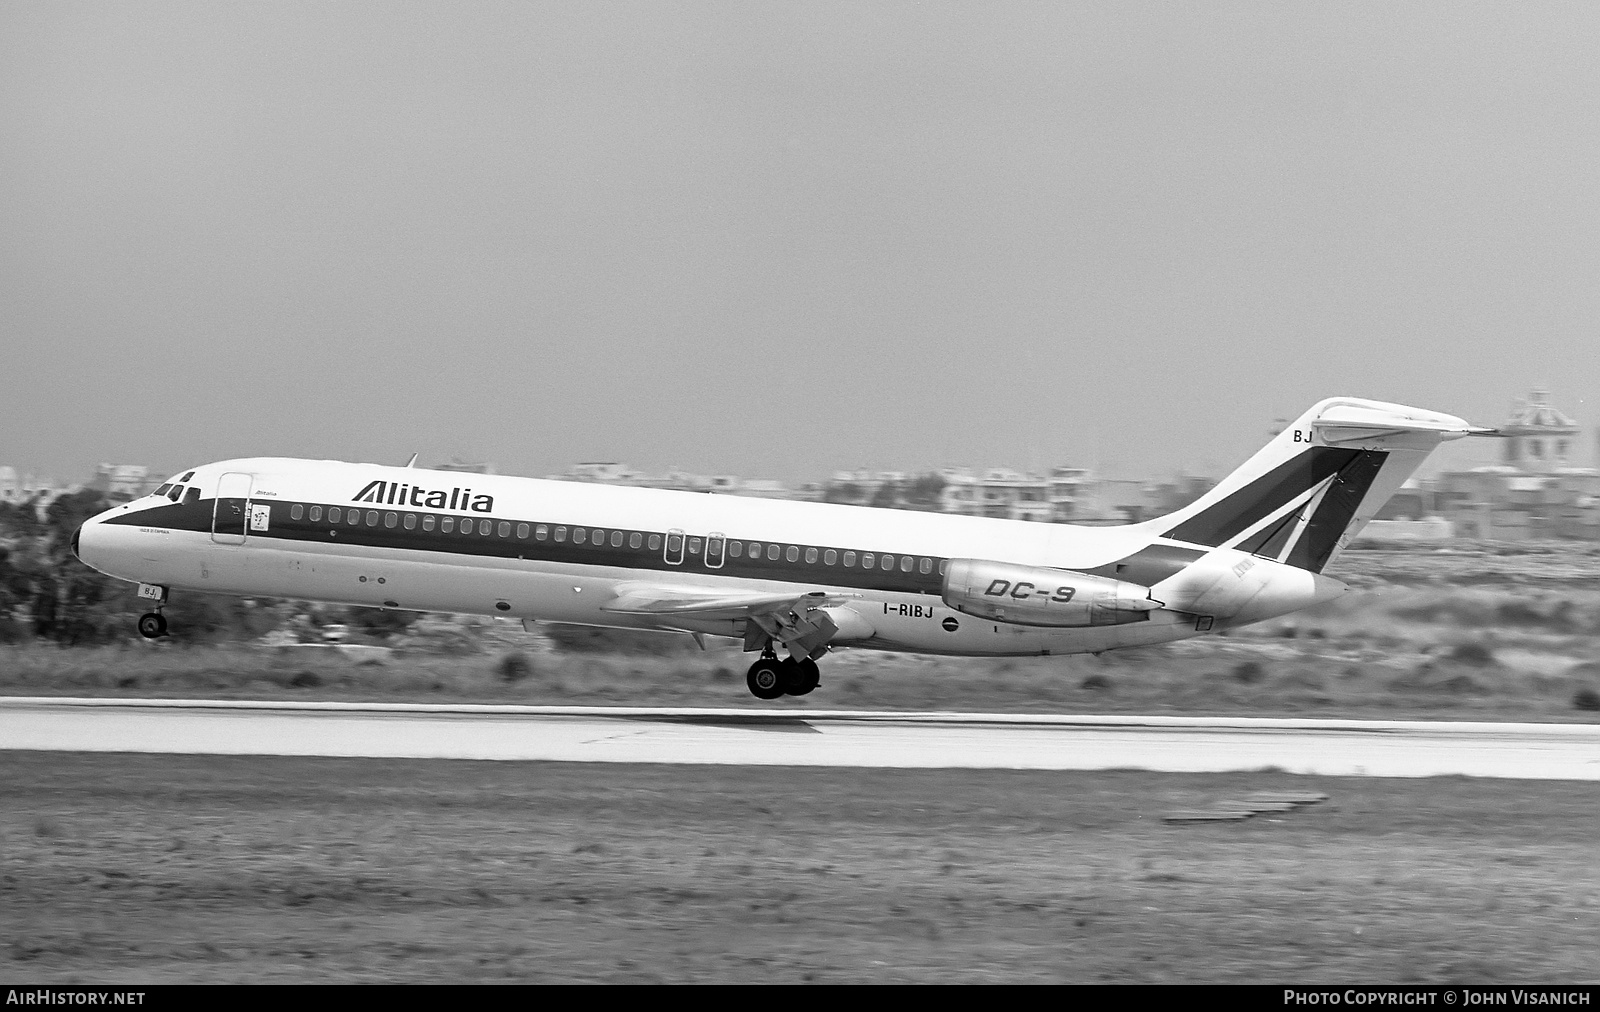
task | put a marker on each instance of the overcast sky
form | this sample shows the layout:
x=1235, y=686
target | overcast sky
x=784, y=239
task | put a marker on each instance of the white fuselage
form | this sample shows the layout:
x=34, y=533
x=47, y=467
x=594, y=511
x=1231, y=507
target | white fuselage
x=267, y=527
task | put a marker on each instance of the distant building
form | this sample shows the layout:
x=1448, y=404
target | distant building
x=1000, y=493
x=615, y=473
x=1535, y=492
x=1400, y=533
x=457, y=465
x=601, y=471
x=128, y=481
x=15, y=490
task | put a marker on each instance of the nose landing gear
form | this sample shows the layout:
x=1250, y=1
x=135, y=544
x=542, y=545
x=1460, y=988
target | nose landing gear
x=769, y=678
x=151, y=624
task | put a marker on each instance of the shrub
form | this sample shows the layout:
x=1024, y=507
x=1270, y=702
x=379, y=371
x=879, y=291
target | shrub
x=1249, y=672
x=1586, y=699
x=1472, y=653
x=381, y=623
x=306, y=680
x=1095, y=683
x=515, y=666
x=583, y=639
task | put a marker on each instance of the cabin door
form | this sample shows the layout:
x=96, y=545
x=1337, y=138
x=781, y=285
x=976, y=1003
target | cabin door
x=230, y=513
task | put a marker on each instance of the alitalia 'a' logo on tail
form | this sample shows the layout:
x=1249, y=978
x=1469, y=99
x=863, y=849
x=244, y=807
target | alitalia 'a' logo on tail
x=1336, y=480
x=394, y=493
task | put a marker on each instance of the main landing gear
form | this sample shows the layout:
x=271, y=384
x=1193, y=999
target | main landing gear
x=152, y=625
x=769, y=678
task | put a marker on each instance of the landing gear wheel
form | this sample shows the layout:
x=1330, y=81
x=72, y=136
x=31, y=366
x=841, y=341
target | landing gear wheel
x=152, y=625
x=803, y=677
x=766, y=678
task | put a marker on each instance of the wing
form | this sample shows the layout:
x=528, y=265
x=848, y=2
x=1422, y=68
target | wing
x=665, y=600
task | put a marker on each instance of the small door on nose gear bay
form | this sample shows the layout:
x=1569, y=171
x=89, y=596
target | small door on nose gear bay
x=230, y=516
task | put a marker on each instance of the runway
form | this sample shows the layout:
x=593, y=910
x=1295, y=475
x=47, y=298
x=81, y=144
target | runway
x=802, y=738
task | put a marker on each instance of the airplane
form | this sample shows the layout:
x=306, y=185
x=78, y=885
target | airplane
x=790, y=580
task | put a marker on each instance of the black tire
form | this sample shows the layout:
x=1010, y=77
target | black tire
x=766, y=678
x=152, y=626
x=803, y=677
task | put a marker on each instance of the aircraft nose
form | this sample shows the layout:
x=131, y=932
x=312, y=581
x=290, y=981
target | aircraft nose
x=76, y=534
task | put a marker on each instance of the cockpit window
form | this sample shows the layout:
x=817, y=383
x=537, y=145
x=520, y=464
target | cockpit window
x=186, y=476
x=192, y=496
x=177, y=490
x=163, y=489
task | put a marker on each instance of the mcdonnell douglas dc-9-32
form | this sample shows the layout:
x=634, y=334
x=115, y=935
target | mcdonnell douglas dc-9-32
x=791, y=580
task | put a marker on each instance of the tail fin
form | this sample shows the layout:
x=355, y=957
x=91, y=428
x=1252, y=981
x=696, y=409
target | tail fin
x=1308, y=492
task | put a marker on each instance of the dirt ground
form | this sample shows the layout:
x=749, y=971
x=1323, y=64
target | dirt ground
x=147, y=869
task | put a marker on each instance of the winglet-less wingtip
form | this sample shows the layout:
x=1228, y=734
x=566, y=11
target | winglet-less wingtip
x=412, y=462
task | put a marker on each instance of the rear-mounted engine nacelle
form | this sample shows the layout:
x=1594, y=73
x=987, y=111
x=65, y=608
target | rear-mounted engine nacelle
x=1030, y=595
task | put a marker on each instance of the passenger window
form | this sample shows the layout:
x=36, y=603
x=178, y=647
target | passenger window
x=830, y=557
x=333, y=514
x=772, y=552
x=866, y=560
x=411, y=521
x=654, y=542
x=540, y=532
x=192, y=496
x=849, y=558
x=616, y=539
x=905, y=563
x=635, y=540
x=694, y=546
x=736, y=548
x=484, y=526
x=598, y=537
x=579, y=535
x=561, y=534
x=811, y=555
x=755, y=550
x=316, y=513
x=522, y=532
x=353, y=518
x=888, y=563
x=296, y=511
x=503, y=529
x=943, y=563
x=391, y=519
x=466, y=525
x=926, y=566
x=372, y=518
x=447, y=524
x=427, y=522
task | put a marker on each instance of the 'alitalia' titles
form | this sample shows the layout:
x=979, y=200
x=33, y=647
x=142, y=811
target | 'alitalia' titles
x=394, y=493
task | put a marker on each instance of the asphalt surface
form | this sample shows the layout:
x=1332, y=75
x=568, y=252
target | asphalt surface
x=791, y=737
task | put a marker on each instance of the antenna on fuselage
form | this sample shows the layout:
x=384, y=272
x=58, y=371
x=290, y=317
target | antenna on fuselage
x=412, y=462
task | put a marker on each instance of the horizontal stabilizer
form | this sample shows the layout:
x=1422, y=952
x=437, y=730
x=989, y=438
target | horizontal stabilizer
x=1355, y=423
